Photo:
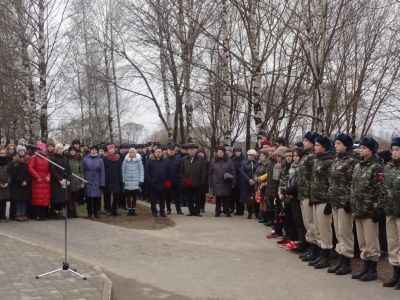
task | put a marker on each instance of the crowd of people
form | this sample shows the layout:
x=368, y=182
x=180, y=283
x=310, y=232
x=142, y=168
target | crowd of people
x=317, y=196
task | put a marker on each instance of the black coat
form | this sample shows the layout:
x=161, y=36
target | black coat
x=19, y=173
x=175, y=170
x=220, y=186
x=237, y=162
x=247, y=171
x=113, y=171
x=156, y=173
x=57, y=192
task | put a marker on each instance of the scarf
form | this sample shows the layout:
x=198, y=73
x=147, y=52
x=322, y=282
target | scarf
x=113, y=157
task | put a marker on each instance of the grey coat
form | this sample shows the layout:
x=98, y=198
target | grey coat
x=216, y=181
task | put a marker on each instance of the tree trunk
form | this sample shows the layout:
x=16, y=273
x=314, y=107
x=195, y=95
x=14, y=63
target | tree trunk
x=226, y=98
x=42, y=72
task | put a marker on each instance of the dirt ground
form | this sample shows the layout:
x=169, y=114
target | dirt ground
x=129, y=289
x=144, y=220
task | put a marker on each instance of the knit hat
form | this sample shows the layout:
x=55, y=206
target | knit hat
x=20, y=147
x=252, y=152
x=345, y=138
x=311, y=136
x=370, y=143
x=237, y=150
x=281, y=151
x=40, y=145
x=50, y=142
x=395, y=142
x=222, y=148
x=265, y=143
x=230, y=149
x=324, y=141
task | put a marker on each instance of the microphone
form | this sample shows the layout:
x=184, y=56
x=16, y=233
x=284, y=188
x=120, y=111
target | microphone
x=30, y=146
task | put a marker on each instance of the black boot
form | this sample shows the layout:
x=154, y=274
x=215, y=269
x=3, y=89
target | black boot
x=363, y=271
x=263, y=217
x=314, y=254
x=308, y=252
x=395, y=278
x=324, y=259
x=336, y=267
x=345, y=268
x=372, y=273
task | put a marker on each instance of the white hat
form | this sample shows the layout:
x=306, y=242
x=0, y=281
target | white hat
x=20, y=147
x=252, y=152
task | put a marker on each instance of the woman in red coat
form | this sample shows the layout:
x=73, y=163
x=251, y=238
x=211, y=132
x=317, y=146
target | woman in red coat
x=39, y=168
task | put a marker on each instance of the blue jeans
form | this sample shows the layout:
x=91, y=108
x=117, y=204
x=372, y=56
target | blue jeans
x=20, y=207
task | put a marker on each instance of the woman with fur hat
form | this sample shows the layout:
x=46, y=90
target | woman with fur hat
x=20, y=183
x=322, y=210
x=39, y=169
x=339, y=194
x=60, y=181
x=221, y=179
x=366, y=200
x=391, y=204
x=75, y=165
x=93, y=172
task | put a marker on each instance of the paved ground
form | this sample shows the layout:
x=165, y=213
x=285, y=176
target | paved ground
x=199, y=258
x=20, y=262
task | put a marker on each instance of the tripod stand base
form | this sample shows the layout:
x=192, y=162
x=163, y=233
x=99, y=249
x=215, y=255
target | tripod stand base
x=65, y=267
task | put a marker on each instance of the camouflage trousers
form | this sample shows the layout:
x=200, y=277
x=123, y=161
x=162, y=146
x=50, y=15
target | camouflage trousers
x=308, y=220
x=323, y=226
x=367, y=236
x=393, y=239
x=343, y=223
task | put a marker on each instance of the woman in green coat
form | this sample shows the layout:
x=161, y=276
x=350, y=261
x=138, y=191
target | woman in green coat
x=391, y=206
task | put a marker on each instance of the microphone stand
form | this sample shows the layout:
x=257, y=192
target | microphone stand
x=65, y=264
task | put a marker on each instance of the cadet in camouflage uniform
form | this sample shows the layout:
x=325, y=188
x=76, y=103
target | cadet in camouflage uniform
x=339, y=195
x=322, y=210
x=366, y=195
x=303, y=186
x=391, y=205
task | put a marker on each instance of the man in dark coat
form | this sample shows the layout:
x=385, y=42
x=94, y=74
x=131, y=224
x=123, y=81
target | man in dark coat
x=237, y=162
x=173, y=193
x=193, y=174
x=113, y=171
x=157, y=174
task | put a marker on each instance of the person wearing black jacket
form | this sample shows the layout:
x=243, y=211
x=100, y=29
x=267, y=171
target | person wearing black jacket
x=60, y=181
x=20, y=183
x=113, y=180
x=157, y=174
x=237, y=160
x=173, y=193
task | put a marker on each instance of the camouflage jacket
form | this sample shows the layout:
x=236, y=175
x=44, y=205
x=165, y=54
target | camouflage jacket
x=391, y=183
x=305, y=166
x=283, y=182
x=367, y=188
x=320, y=178
x=340, y=178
